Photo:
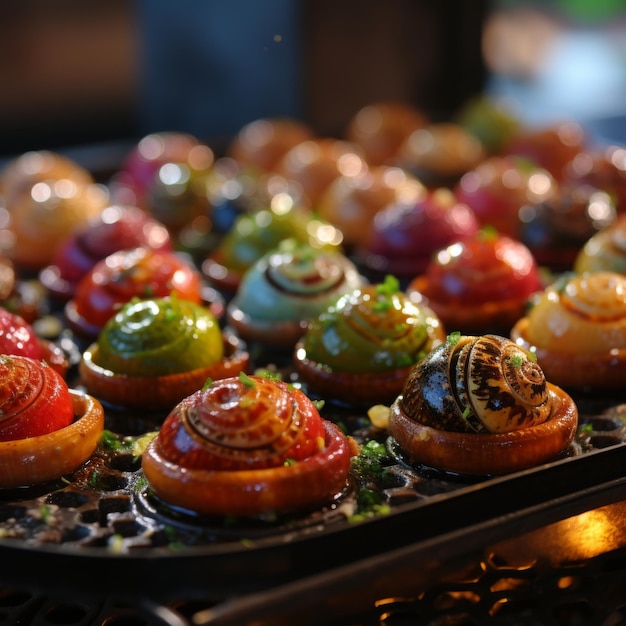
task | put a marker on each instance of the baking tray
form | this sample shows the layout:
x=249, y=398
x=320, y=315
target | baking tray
x=102, y=519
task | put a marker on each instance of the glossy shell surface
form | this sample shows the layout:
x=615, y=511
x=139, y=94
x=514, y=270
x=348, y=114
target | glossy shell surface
x=488, y=395
x=480, y=284
x=362, y=347
x=247, y=446
x=286, y=288
x=577, y=327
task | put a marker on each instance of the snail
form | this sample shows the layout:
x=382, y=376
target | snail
x=46, y=428
x=248, y=446
x=47, y=198
x=165, y=175
x=479, y=284
x=258, y=232
x=405, y=234
x=135, y=272
x=285, y=288
x=117, y=227
x=18, y=337
x=440, y=153
x=156, y=351
x=362, y=347
x=577, y=327
x=481, y=405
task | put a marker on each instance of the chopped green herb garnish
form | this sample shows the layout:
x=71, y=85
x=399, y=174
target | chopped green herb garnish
x=516, y=360
x=110, y=441
x=269, y=374
x=368, y=465
x=289, y=462
x=488, y=233
x=453, y=338
x=382, y=305
x=246, y=380
x=466, y=412
x=44, y=513
x=532, y=355
x=319, y=404
x=389, y=286
x=370, y=503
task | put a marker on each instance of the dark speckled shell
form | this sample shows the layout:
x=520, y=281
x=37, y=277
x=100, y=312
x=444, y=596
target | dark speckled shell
x=477, y=384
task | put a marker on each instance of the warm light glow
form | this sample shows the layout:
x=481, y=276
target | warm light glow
x=589, y=534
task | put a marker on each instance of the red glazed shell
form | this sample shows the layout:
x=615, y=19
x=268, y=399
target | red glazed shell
x=18, y=337
x=140, y=272
x=247, y=446
x=63, y=426
x=405, y=235
x=115, y=228
x=33, y=398
x=478, y=285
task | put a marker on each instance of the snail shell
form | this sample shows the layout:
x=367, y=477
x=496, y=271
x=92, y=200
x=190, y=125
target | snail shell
x=577, y=329
x=482, y=384
x=242, y=423
x=33, y=398
x=247, y=446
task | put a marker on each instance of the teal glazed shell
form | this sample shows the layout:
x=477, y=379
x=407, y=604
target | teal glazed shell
x=286, y=288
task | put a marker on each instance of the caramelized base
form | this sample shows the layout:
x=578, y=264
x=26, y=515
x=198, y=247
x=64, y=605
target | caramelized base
x=487, y=454
x=304, y=485
x=355, y=388
x=39, y=459
x=476, y=319
x=150, y=393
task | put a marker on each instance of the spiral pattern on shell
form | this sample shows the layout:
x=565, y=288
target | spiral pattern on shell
x=34, y=399
x=605, y=250
x=600, y=296
x=242, y=423
x=481, y=384
x=370, y=330
x=160, y=336
x=293, y=283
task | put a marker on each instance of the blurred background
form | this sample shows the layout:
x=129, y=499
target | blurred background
x=109, y=71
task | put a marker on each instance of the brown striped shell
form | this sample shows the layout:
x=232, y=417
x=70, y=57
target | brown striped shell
x=483, y=384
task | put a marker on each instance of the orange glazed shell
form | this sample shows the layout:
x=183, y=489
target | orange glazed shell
x=487, y=453
x=577, y=329
x=576, y=370
x=47, y=457
x=154, y=393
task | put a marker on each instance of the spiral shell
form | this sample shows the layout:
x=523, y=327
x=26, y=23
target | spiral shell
x=477, y=384
x=242, y=423
x=605, y=251
x=34, y=398
x=247, y=446
x=160, y=336
x=577, y=328
x=375, y=328
x=290, y=284
x=583, y=314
